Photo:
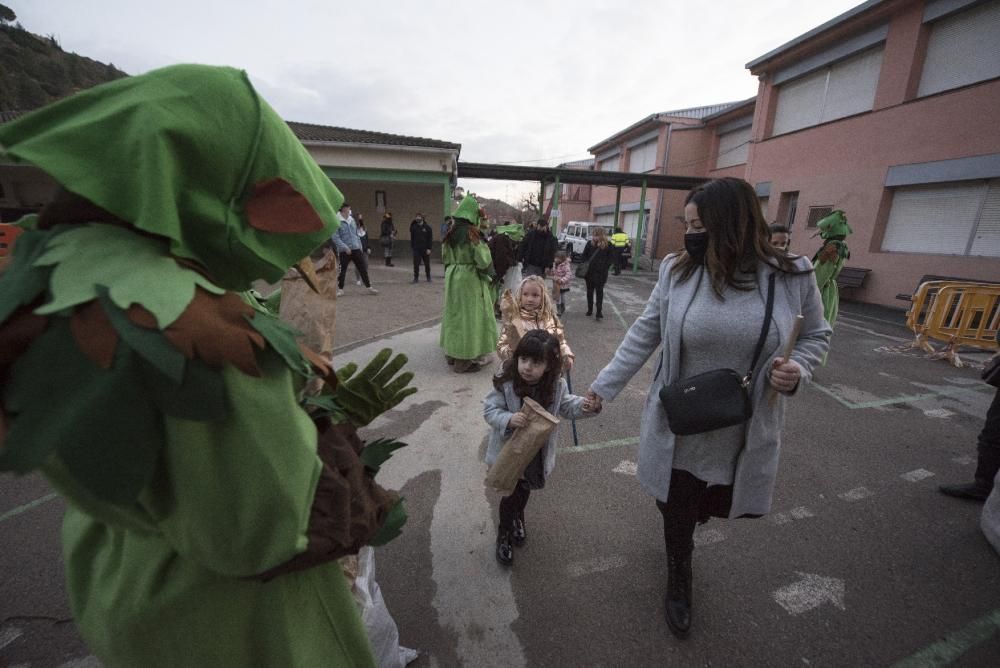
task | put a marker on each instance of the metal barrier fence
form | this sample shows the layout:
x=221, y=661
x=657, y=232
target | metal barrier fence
x=957, y=313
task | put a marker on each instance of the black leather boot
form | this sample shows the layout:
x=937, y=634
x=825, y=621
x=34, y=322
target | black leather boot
x=679, y=593
x=505, y=551
x=519, y=534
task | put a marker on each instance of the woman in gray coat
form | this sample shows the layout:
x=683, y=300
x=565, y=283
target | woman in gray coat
x=707, y=311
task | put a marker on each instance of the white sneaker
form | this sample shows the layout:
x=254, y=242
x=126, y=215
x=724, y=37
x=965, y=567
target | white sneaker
x=357, y=282
x=340, y=292
x=373, y=291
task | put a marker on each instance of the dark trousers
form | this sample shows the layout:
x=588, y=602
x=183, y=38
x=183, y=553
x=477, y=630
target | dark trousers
x=593, y=288
x=356, y=256
x=681, y=511
x=616, y=259
x=989, y=445
x=532, y=270
x=418, y=257
x=512, y=507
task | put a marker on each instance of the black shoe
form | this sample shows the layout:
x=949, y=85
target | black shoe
x=678, y=600
x=599, y=316
x=518, y=534
x=589, y=312
x=415, y=280
x=389, y=264
x=505, y=553
x=973, y=491
x=428, y=279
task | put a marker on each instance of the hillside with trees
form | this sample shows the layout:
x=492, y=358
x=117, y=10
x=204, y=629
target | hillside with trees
x=34, y=70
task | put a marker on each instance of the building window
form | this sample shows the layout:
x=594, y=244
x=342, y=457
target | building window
x=787, y=208
x=963, y=48
x=840, y=90
x=734, y=147
x=630, y=224
x=380, y=201
x=608, y=165
x=945, y=219
x=607, y=219
x=642, y=158
x=816, y=214
x=763, y=206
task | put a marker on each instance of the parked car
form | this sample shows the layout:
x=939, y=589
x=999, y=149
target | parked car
x=576, y=234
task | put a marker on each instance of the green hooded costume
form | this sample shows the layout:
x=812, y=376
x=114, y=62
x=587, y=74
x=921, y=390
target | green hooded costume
x=207, y=508
x=830, y=259
x=468, y=326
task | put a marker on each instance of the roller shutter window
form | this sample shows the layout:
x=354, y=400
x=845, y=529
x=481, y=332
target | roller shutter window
x=605, y=219
x=642, y=158
x=843, y=89
x=945, y=219
x=734, y=147
x=630, y=223
x=609, y=165
x=962, y=49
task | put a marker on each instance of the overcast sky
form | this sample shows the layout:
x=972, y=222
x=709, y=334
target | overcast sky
x=525, y=82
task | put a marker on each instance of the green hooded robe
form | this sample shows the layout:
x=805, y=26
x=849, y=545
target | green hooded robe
x=157, y=402
x=468, y=326
x=830, y=259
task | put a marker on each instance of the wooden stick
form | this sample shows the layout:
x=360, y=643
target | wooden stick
x=787, y=353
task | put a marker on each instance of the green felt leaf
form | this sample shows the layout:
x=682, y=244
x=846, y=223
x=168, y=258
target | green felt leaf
x=152, y=345
x=21, y=283
x=371, y=392
x=282, y=337
x=101, y=423
x=377, y=452
x=325, y=405
x=393, y=525
x=136, y=269
x=200, y=397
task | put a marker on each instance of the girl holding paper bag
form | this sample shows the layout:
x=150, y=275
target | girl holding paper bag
x=528, y=381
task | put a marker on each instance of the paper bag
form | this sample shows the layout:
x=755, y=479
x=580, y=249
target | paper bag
x=521, y=448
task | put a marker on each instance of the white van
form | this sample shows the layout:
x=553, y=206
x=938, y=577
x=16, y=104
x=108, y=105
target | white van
x=575, y=236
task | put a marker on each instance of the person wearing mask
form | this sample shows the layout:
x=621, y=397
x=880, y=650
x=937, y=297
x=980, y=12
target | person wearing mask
x=349, y=248
x=387, y=235
x=708, y=311
x=421, y=242
x=619, y=242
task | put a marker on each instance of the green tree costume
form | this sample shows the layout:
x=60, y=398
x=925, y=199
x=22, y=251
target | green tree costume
x=468, y=327
x=206, y=506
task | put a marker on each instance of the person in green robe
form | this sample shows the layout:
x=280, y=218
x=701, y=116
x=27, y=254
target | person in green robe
x=468, y=326
x=829, y=260
x=206, y=507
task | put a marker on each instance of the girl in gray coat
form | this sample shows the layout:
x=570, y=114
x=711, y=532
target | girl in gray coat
x=532, y=371
x=707, y=311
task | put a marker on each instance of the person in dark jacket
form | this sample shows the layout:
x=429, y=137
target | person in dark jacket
x=537, y=250
x=421, y=242
x=600, y=254
x=386, y=236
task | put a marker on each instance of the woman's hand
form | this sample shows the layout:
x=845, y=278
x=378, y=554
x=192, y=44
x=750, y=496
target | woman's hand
x=518, y=420
x=785, y=375
x=567, y=363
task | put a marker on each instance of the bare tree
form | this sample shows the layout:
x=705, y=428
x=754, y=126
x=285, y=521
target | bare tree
x=7, y=15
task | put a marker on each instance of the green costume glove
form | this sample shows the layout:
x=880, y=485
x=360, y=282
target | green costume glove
x=363, y=397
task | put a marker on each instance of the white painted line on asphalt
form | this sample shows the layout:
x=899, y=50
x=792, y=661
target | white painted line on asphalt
x=9, y=635
x=856, y=494
x=84, y=662
x=916, y=475
x=964, y=460
x=626, y=467
x=779, y=518
x=801, y=513
x=810, y=591
x=938, y=413
x=871, y=332
x=14, y=512
x=596, y=565
x=707, y=537
x=949, y=649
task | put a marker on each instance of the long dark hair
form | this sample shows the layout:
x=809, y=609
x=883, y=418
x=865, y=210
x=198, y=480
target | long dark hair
x=738, y=235
x=540, y=346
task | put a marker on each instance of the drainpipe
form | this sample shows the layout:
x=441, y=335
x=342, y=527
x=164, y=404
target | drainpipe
x=659, y=204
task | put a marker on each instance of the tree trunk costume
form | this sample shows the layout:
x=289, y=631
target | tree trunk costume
x=207, y=508
x=468, y=327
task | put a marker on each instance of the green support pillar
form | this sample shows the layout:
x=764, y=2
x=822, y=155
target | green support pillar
x=640, y=237
x=556, y=192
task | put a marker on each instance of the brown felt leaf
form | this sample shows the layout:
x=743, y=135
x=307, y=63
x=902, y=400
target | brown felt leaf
x=322, y=368
x=212, y=328
x=829, y=253
x=276, y=206
x=95, y=336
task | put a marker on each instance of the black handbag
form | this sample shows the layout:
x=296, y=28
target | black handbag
x=715, y=399
x=582, y=269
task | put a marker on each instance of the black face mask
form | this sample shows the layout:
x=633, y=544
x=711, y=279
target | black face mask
x=696, y=245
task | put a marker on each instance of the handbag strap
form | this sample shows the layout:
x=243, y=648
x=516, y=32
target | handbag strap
x=763, y=329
